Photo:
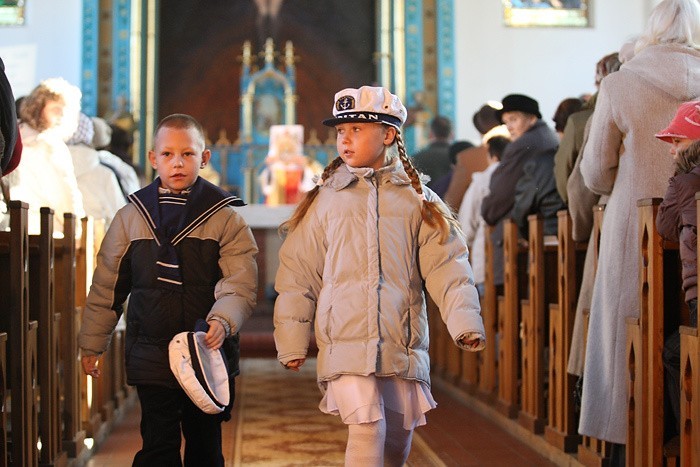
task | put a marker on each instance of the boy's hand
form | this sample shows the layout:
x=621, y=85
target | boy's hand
x=90, y=366
x=216, y=335
x=294, y=365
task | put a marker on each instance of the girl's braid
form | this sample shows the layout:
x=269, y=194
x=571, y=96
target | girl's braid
x=408, y=165
x=308, y=198
x=434, y=214
x=331, y=167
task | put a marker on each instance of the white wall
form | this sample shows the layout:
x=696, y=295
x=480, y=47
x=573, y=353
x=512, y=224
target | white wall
x=492, y=60
x=548, y=64
x=47, y=45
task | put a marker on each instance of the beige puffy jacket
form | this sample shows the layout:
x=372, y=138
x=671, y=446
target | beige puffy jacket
x=355, y=266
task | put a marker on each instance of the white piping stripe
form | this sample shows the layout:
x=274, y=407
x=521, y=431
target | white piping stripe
x=202, y=217
x=169, y=280
x=146, y=216
x=168, y=265
x=692, y=122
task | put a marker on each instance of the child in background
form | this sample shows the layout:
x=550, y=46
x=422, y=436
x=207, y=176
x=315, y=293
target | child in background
x=358, y=250
x=677, y=221
x=183, y=253
x=470, y=210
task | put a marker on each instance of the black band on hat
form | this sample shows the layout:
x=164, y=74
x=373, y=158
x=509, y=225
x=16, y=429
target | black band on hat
x=199, y=371
x=363, y=117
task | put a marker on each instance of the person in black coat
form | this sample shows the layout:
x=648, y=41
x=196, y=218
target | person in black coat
x=536, y=193
x=10, y=144
x=531, y=138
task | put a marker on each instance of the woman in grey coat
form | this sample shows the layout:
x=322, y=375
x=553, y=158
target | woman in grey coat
x=622, y=159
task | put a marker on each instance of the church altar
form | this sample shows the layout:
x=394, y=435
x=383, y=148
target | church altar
x=263, y=217
x=264, y=221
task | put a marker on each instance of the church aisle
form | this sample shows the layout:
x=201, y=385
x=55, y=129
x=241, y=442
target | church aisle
x=276, y=422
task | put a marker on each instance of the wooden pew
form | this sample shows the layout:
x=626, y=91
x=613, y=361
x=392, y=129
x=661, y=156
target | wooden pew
x=22, y=336
x=42, y=310
x=96, y=404
x=453, y=359
x=65, y=251
x=102, y=398
x=541, y=283
x=3, y=399
x=594, y=452
x=486, y=372
x=514, y=284
x=659, y=289
x=562, y=429
x=690, y=391
x=690, y=387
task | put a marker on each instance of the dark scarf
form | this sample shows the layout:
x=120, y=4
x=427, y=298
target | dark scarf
x=171, y=217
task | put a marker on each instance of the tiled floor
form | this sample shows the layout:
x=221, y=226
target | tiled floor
x=458, y=435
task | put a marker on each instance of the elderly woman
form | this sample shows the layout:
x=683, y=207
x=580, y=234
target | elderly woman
x=45, y=176
x=622, y=159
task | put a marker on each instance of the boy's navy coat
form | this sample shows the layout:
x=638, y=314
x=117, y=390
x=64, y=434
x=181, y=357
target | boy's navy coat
x=217, y=262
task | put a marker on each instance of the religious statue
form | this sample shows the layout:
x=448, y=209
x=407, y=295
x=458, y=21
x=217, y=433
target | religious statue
x=288, y=172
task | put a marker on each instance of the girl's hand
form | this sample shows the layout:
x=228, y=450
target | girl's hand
x=90, y=366
x=471, y=344
x=294, y=365
x=215, y=335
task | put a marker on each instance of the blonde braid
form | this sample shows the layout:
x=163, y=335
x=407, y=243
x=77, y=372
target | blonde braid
x=408, y=165
x=299, y=213
x=435, y=214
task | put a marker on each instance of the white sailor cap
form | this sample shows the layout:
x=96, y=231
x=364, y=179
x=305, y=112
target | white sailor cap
x=201, y=371
x=367, y=104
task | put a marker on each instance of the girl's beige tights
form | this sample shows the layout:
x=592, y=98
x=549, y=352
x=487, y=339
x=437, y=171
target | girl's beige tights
x=379, y=443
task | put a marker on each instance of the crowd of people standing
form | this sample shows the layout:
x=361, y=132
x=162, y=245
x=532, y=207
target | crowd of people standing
x=606, y=152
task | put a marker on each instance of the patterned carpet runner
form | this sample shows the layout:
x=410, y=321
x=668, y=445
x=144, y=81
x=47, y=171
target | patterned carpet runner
x=277, y=422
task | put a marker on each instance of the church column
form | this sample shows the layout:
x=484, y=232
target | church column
x=383, y=54
x=89, y=74
x=445, y=58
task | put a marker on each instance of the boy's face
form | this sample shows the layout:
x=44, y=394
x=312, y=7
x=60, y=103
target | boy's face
x=178, y=155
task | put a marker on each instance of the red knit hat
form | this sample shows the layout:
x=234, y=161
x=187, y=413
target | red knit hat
x=686, y=123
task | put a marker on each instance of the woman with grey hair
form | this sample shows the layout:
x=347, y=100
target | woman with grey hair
x=624, y=160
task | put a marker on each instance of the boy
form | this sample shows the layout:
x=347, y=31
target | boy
x=183, y=253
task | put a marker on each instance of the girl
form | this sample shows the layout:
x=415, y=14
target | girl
x=677, y=221
x=359, y=247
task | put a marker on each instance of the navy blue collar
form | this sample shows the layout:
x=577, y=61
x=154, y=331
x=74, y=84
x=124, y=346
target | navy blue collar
x=203, y=201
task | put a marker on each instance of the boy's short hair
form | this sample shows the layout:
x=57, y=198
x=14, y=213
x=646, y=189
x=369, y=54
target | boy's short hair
x=182, y=122
x=496, y=145
x=457, y=147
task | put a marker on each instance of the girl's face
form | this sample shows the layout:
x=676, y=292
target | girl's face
x=364, y=144
x=678, y=144
x=518, y=123
x=178, y=155
x=52, y=113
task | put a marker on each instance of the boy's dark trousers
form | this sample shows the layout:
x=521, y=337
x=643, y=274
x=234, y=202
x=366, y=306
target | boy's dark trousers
x=163, y=411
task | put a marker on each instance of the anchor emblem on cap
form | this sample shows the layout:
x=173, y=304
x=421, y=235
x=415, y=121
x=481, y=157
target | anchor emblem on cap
x=345, y=103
